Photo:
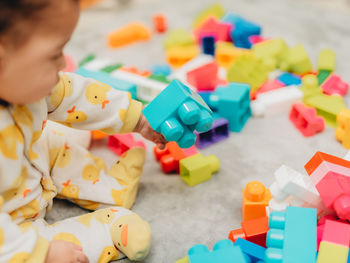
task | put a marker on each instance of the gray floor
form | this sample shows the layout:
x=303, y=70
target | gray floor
x=181, y=216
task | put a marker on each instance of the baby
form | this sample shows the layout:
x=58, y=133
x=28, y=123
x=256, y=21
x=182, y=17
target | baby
x=38, y=164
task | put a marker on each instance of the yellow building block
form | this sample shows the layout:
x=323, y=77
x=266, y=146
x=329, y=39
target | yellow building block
x=226, y=53
x=309, y=86
x=215, y=10
x=179, y=37
x=297, y=60
x=326, y=60
x=183, y=260
x=332, y=253
x=342, y=132
x=179, y=55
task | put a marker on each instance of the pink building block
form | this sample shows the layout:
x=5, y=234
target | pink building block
x=255, y=39
x=269, y=85
x=305, y=119
x=212, y=27
x=334, y=85
x=120, y=143
x=204, y=77
x=336, y=232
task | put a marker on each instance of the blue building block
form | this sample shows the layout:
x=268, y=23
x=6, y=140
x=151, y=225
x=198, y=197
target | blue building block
x=176, y=112
x=242, y=30
x=255, y=252
x=223, y=252
x=292, y=236
x=289, y=79
x=232, y=102
x=208, y=45
x=218, y=132
x=161, y=69
x=104, y=77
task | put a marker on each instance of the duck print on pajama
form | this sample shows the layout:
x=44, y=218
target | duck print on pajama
x=38, y=164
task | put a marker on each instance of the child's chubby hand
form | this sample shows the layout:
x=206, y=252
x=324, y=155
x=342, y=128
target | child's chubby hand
x=65, y=252
x=144, y=128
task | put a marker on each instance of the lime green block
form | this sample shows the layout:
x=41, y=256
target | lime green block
x=197, y=168
x=87, y=59
x=160, y=78
x=331, y=253
x=297, y=60
x=271, y=51
x=178, y=37
x=111, y=68
x=327, y=106
x=309, y=86
x=326, y=60
x=248, y=69
x=322, y=76
x=215, y=10
x=183, y=260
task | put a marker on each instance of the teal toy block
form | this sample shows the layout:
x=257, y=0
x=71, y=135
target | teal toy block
x=255, y=252
x=223, y=252
x=232, y=102
x=176, y=112
x=104, y=77
x=292, y=236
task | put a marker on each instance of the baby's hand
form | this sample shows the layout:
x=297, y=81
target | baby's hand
x=144, y=128
x=65, y=252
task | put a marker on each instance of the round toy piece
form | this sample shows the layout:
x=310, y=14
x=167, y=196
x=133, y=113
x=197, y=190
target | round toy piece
x=171, y=129
x=189, y=113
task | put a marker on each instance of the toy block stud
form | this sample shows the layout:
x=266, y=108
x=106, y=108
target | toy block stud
x=218, y=132
x=120, y=143
x=305, y=119
x=160, y=23
x=208, y=45
x=255, y=252
x=185, y=112
x=309, y=86
x=326, y=60
x=342, y=132
x=197, y=168
x=204, y=77
x=334, y=85
x=232, y=102
x=292, y=236
x=254, y=201
x=297, y=60
x=128, y=34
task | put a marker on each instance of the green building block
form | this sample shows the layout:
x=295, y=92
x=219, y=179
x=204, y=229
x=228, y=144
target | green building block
x=111, y=68
x=160, y=78
x=322, y=76
x=309, y=86
x=326, y=60
x=197, y=168
x=215, y=10
x=87, y=59
x=183, y=260
x=248, y=69
x=297, y=60
x=178, y=37
x=327, y=106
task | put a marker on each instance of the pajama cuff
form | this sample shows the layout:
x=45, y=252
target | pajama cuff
x=133, y=115
x=40, y=250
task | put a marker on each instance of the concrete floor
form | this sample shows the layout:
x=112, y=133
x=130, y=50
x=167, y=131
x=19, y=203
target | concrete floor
x=181, y=216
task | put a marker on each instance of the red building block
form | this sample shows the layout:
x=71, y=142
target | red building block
x=159, y=22
x=204, y=77
x=120, y=143
x=305, y=119
x=170, y=157
x=334, y=85
x=212, y=27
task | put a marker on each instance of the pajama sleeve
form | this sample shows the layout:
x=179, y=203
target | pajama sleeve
x=88, y=104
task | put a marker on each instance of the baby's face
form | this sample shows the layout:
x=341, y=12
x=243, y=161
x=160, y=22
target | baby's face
x=29, y=71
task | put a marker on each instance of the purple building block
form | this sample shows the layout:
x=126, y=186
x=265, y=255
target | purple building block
x=219, y=131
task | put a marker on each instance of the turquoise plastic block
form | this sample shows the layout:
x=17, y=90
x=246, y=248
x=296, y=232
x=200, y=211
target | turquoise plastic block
x=104, y=77
x=292, y=236
x=232, y=102
x=255, y=252
x=223, y=252
x=176, y=112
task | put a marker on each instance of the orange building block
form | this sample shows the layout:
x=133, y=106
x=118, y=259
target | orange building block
x=98, y=135
x=134, y=70
x=159, y=22
x=255, y=197
x=128, y=34
x=179, y=55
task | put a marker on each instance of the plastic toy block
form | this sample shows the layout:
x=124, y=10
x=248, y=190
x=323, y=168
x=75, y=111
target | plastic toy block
x=129, y=34
x=322, y=76
x=183, y=260
x=111, y=68
x=179, y=55
x=255, y=252
x=276, y=101
x=255, y=197
x=97, y=64
x=205, y=95
x=342, y=132
x=271, y=52
x=215, y=10
x=160, y=78
x=120, y=143
x=114, y=82
x=178, y=37
x=204, y=77
x=289, y=79
x=170, y=157
x=256, y=39
x=98, y=135
x=208, y=45
x=218, y=132
x=309, y=86
x=223, y=252
x=331, y=253
x=197, y=168
x=334, y=85
x=159, y=23
x=327, y=106
x=326, y=60
x=185, y=112
x=297, y=60
x=248, y=69
x=226, y=53
x=336, y=233
x=270, y=84
x=134, y=70
x=305, y=119
x=161, y=69
x=212, y=27
x=70, y=64
x=86, y=59
x=242, y=29
x=232, y=102
x=292, y=236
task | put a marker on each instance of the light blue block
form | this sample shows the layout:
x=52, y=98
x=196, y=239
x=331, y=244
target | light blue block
x=255, y=252
x=232, y=102
x=176, y=112
x=104, y=77
x=289, y=79
x=161, y=69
